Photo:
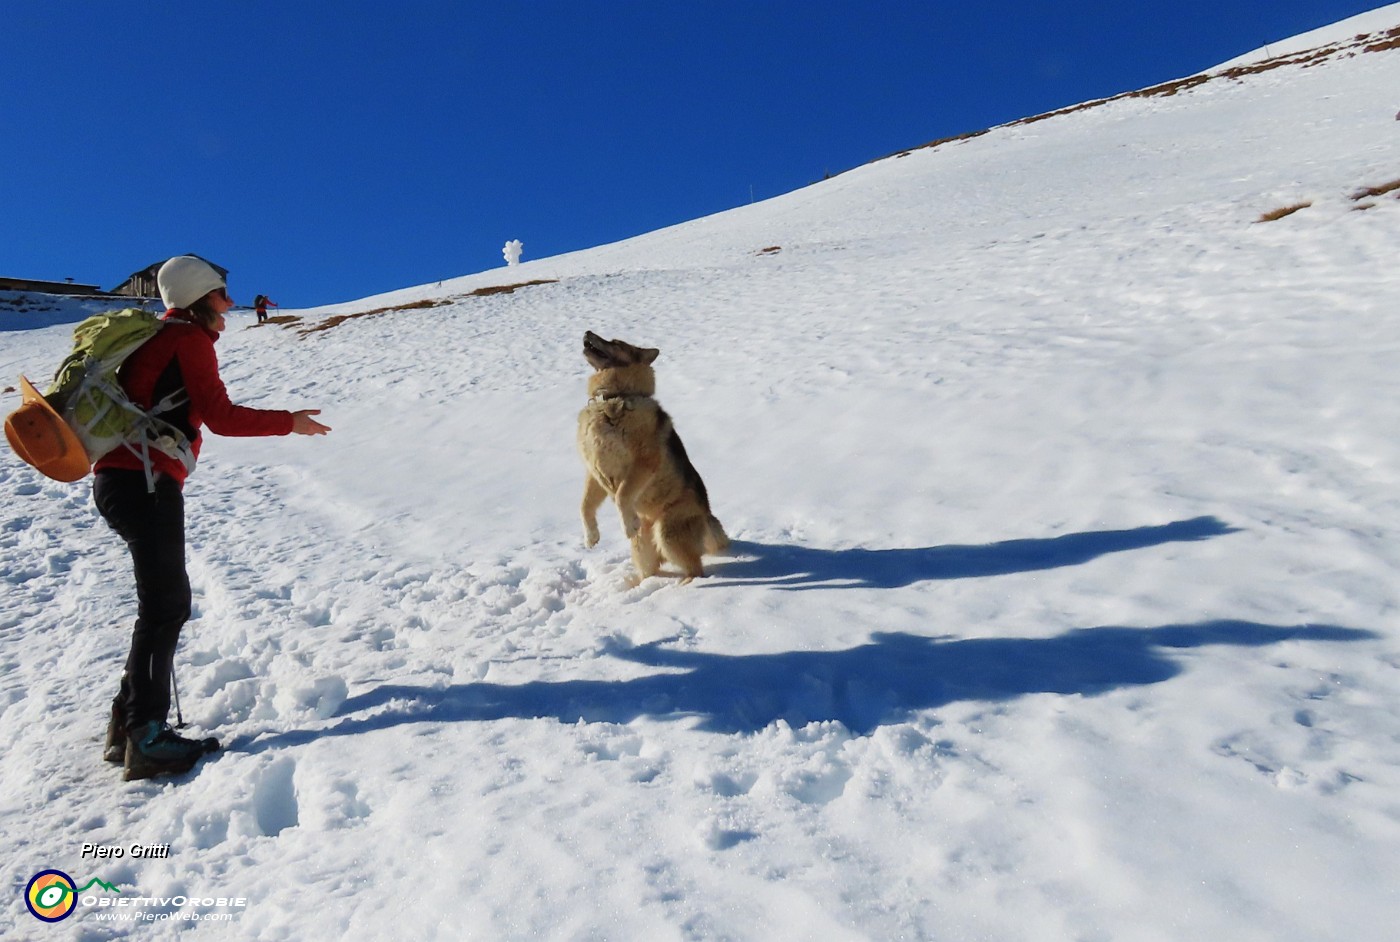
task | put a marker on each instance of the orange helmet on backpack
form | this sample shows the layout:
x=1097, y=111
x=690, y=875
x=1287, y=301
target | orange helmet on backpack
x=43, y=440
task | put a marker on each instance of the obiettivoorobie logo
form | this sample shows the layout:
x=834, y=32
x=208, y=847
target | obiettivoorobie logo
x=52, y=895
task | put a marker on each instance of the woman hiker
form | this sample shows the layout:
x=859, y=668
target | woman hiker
x=180, y=356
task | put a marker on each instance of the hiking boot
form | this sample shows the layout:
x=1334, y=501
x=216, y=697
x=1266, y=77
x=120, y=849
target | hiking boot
x=115, y=749
x=156, y=749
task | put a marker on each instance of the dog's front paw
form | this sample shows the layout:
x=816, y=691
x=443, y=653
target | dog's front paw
x=630, y=525
x=590, y=537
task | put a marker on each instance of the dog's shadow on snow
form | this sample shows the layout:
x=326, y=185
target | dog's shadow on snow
x=862, y=687
x=802, y=567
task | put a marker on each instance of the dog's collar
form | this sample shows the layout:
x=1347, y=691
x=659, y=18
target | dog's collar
x=607, y=395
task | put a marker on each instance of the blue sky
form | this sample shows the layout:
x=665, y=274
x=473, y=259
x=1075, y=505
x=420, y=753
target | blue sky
x=326, y=151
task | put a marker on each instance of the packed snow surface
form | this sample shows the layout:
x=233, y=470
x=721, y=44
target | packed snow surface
x=1062, y=604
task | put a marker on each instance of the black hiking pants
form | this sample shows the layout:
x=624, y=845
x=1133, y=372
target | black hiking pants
x=153, y=526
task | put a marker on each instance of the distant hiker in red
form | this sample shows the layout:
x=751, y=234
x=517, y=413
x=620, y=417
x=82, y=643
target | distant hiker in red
x=261, y=303
x=178, y=360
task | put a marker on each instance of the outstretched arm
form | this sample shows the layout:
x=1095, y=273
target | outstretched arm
x=199, y=368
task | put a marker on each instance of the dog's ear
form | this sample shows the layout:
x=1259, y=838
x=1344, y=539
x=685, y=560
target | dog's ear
x=649, y=354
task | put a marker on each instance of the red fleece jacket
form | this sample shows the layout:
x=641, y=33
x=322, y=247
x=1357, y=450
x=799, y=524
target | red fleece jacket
x=182, y=354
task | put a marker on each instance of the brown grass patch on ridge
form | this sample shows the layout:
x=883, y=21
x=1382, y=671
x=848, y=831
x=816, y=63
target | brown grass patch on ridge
x=508, y=289
x=281, y=320
x=1390, y=40
x=1358, y=197
x=339, y=319
x=1381, y=190
x=1283, y=211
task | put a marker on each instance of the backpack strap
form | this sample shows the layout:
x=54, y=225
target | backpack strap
x=151, y=430
x=155, y=432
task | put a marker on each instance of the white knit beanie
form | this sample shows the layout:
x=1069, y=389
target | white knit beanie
x=185, y=279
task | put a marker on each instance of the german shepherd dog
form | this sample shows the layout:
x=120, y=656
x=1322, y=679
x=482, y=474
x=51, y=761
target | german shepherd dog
x=634, y=456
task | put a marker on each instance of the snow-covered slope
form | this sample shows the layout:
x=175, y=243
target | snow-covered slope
x=1062, y=603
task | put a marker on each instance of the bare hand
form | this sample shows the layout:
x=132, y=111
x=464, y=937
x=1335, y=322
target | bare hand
x=304, y=424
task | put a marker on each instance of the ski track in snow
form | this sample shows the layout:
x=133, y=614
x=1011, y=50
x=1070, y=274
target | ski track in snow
x=1061, y=603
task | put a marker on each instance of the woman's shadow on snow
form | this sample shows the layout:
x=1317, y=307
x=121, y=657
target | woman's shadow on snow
x=802, y=567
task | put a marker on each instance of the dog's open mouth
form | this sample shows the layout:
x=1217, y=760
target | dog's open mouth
x=614, y=354
x=600, y=353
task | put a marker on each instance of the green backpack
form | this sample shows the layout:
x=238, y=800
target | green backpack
x=85, y=392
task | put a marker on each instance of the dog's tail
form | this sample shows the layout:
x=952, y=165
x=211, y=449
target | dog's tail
x=716, y=540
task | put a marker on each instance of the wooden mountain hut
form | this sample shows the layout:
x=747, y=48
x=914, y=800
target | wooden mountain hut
x=142, y=284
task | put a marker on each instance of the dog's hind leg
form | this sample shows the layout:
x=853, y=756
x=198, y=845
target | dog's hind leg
x=681, y=541
x=593, y=496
